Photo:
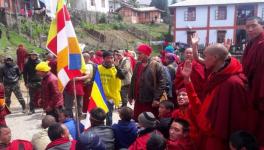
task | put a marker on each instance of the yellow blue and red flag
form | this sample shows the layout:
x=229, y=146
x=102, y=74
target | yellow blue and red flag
x=63, y=43
x=98, y=98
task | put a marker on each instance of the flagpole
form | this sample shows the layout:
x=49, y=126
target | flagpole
x=76, y=110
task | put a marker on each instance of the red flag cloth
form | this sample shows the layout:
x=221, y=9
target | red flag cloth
x=225, y=108
x=21, y=57
x=253, y=62
x=197, y=77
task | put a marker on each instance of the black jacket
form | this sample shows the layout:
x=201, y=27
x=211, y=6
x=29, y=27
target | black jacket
x=29, y=72
x=9, y=74
x=147, y=90
x=106, y=134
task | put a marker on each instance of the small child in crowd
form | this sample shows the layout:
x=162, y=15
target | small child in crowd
x=125, y=130
x=165, y=111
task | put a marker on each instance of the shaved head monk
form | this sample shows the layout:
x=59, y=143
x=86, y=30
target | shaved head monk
x=224, y=108
x=253, y=67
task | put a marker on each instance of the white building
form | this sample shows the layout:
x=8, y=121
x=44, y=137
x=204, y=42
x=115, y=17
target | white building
x=92, y=5
x=214, y=20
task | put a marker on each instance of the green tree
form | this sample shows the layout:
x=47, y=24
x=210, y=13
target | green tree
x=160, y=4
x=134, y=3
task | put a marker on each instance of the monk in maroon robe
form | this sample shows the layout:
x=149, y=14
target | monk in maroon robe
x=197, y=75
x=253, y=67
x=21, y=57
x=52, y=63
x=179, y=138
x=225, y=107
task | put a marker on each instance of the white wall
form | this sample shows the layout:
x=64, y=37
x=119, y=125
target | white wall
x=98, y=6
x=181, y=36
x=80, y=4
x=229, y=18
x=213, y=35
x=201, y=17
x=260, y=8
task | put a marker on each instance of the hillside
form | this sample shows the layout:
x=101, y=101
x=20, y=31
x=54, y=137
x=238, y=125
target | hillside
x=116, y=36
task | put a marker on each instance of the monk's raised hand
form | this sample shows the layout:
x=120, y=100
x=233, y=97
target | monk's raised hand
x=187, y=69
x=195, y=39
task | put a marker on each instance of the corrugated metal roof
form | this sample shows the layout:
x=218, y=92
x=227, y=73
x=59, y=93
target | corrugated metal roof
x=147, y=9
x=141, y=9
x=144, y=2
x=213, y=2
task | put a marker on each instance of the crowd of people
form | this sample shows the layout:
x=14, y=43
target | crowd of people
x=215, y=102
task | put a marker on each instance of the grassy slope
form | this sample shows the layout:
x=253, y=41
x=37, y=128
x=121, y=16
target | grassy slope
x=122, y=39
x=8, y=47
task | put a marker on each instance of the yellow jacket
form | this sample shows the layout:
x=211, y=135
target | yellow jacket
x=111, y=84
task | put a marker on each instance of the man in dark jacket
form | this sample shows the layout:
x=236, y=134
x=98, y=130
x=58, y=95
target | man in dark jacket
x=105, y=133
x=52, y=100
x=32, y=80
x=9, y=75
x=147, y=84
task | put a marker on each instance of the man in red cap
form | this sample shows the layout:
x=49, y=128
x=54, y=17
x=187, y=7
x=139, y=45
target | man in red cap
x=147, y=84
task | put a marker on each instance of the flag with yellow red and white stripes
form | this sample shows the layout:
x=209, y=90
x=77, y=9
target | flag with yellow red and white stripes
x=63, y=43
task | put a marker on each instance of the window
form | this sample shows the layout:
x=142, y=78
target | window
x=190, y=14
x=92, y=2
x=103, y=3
x=221, y=13
x=189, y=36
x=221, y=34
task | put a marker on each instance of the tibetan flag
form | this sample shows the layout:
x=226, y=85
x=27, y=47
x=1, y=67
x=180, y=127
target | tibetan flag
x=98, y=98
x=63, y=43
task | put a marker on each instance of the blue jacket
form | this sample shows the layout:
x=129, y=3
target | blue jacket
x=125, y=133
x=71, y=125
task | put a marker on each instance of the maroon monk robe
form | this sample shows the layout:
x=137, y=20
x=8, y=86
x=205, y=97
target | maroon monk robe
x=181, y=144
x=253, y=67
x=197, y=77
x=225, y=107
x=53, y=66
x=21, y=57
